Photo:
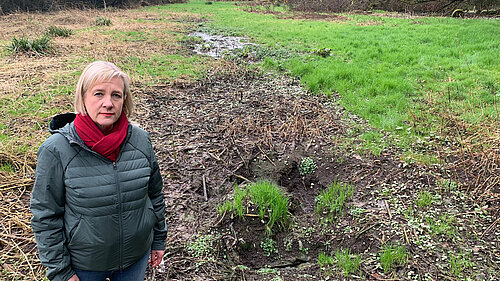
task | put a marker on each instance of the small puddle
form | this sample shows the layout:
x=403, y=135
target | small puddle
x=217, y=45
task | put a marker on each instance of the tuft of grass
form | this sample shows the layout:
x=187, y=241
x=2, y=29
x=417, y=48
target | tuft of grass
x=102, y=21
x=325, y=260
x=444, y=225
x=331, y=200
x=271, y=200
x=7, y=167
x=346, y=261
x=58, y=31
x=392, y=256
x=447, y=185
x=424, y=199
x=37, y=46
x=459, y=263
x=235, y=205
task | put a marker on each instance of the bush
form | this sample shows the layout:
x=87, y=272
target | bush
x=38, y=46
x=9, y=6
x=418, y=6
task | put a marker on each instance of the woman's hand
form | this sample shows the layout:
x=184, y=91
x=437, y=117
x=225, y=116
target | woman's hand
x=74, y=278
x=156, y=257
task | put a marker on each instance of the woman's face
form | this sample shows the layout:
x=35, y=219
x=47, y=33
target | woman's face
x=104, y=103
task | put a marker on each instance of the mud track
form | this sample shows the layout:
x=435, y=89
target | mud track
x=239, y=125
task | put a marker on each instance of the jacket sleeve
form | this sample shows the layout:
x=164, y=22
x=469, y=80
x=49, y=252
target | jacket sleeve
x=156, y=195
x=47, y=206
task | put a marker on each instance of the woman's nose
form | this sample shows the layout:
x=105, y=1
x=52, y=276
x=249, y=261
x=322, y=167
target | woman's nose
x=107, y=101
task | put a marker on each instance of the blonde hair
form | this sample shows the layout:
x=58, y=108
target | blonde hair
x=102, y=71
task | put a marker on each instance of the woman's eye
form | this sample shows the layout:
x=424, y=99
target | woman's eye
x=98, y=94
x=117, y=96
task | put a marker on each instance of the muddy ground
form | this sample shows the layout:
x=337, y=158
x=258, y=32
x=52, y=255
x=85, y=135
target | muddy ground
x=236, y=126
x=240, y=125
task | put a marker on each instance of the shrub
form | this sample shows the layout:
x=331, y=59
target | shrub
x=58, y=31
x=203, y=248
x=269, y=246
x=38, y=46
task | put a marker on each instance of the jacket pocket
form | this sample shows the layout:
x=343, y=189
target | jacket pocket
x=84, y=235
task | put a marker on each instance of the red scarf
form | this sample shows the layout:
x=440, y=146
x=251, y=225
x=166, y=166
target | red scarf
x=107, y=145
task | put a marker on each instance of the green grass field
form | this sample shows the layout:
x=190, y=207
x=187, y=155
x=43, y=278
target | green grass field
x=401, y=74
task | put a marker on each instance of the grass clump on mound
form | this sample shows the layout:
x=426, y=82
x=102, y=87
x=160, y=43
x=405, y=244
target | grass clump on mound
x=37, y=46
x=102, y=21
x=264, y=196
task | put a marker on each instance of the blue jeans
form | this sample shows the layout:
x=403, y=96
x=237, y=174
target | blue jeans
x=134, y=272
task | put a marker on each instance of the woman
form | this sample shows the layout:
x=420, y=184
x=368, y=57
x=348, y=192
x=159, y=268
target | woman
x=97, y=203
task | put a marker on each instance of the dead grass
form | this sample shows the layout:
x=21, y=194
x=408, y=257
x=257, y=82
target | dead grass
x=34, y=88
x=27, y=81
x=19, y=255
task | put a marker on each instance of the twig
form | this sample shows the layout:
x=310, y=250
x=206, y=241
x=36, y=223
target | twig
x=17, y=237
x=251, y=215
x=205, y=188
x=214, y=156
x=266, y=155
x=241, y=177
x=26, y=258
x=406, y=236
x=366, y=229
x=490, y=227
x=223, y=215
x=388, y=209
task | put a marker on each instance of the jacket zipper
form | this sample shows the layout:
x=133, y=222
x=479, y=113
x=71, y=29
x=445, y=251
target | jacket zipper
x=115, y=168
x=120, y=223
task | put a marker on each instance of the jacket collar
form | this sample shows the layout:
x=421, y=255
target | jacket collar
x=63, y=124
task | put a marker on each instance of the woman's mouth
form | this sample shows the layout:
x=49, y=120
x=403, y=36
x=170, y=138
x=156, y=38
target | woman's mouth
x=107, y=114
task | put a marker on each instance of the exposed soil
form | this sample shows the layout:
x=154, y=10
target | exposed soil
x=235, y=126
x=239, y=125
